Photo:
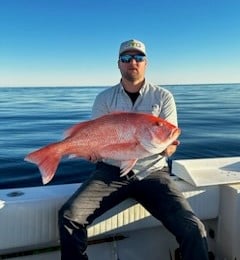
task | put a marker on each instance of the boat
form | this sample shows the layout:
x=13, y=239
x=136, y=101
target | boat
x=28, y=218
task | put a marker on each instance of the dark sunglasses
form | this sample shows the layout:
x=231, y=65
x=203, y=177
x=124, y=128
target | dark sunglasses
x=127, y=58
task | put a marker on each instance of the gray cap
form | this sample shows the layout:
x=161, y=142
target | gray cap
x=132, y=45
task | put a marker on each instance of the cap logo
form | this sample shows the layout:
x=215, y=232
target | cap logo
x=133, y=44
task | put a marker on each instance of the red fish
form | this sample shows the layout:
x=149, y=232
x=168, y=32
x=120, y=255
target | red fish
x=123, y=136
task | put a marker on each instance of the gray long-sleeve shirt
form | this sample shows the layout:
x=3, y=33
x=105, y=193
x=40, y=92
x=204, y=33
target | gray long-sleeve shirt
x=152, y=99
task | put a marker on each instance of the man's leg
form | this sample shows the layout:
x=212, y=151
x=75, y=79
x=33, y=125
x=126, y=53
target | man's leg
x=160, y=196
x=101, y=192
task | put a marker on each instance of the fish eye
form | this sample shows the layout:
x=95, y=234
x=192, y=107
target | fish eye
x=159, y=123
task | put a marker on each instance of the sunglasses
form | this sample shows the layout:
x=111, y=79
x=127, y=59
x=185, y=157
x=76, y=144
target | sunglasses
x=127, y=58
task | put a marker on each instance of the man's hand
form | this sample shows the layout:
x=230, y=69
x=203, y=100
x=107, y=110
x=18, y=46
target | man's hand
x=171, y=149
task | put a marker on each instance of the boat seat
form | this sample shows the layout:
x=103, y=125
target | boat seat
x=28, y=216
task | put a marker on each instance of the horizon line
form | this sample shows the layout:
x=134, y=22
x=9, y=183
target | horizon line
x=79, y=86
x=167, y=84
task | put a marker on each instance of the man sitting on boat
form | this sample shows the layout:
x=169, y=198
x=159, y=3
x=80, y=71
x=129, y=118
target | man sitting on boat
x=148, y=182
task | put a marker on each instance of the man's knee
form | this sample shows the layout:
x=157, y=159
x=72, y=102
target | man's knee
x=195, y=229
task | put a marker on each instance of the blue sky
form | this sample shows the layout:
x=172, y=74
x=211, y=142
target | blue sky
x=75, y=43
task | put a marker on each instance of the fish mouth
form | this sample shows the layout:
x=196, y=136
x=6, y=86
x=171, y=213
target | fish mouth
x=175, y=133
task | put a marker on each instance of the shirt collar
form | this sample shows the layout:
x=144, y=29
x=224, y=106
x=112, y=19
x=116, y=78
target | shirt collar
x=141, y=91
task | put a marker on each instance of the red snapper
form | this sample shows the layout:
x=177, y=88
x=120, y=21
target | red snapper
x=122, y=136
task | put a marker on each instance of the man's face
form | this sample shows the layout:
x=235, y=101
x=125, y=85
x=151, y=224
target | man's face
x=132, y=65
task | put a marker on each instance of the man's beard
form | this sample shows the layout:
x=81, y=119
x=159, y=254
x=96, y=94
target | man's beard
x=131, y=76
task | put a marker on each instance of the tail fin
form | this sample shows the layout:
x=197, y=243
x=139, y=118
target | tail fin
x=47, y=160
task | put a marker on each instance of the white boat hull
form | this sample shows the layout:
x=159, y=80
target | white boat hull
x=28, y=224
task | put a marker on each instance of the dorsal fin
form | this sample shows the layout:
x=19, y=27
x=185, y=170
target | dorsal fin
x=74, y=129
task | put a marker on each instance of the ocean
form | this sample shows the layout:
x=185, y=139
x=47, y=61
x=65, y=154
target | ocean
x=31, y=117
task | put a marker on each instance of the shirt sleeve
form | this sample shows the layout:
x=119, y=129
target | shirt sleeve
x=169, y=110
x=100, y=106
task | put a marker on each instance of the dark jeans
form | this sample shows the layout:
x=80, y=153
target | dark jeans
x=157, y=193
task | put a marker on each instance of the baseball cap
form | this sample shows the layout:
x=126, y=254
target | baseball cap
x=132, y=45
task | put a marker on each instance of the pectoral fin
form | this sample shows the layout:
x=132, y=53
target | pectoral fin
x=126, y=166
x=123, y=151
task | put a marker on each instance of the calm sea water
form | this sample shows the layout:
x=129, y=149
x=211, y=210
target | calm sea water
x=209, y=116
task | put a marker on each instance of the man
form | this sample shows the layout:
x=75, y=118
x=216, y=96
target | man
x=149, y=181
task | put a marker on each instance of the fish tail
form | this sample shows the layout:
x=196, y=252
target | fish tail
x=47, y=160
